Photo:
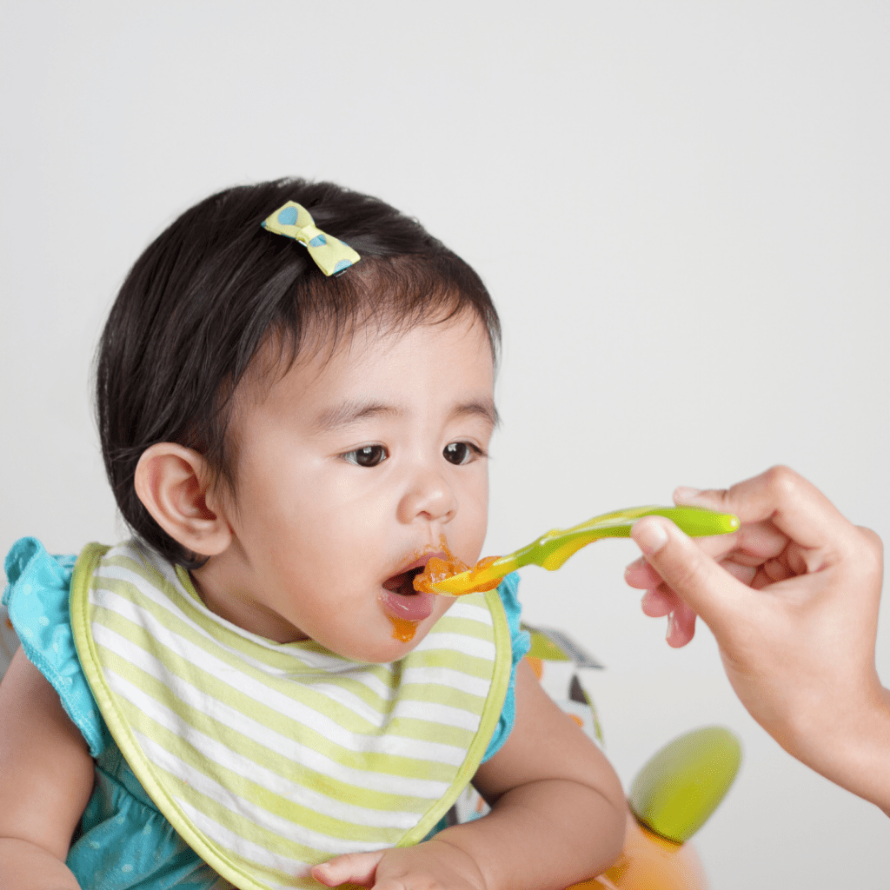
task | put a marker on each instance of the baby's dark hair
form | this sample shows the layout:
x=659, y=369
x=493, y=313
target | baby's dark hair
x=215, y=287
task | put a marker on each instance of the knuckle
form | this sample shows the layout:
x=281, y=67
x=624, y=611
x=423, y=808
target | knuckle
x=783, y=480
x=690, y=576
x=873, y=547
x=719, y=497
x=686, y=573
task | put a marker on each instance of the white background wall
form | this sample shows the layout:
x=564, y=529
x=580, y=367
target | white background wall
x=682, y=209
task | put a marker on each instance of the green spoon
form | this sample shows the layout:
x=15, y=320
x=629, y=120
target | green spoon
x=552, y=549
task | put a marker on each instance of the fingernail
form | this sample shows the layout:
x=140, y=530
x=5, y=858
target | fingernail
x=651, y=537
x=685, y=493
x=670, y=626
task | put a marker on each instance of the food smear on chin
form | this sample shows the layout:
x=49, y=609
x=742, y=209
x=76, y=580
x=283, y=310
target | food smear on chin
x=402, y=629
x=438, y=569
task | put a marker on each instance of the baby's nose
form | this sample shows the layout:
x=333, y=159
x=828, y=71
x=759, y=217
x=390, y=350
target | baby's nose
x=429, y=496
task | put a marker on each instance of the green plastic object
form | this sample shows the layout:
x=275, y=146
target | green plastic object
x=676, y=792
x=552, y=549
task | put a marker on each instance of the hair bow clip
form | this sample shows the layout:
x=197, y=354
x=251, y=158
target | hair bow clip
x=330, y=254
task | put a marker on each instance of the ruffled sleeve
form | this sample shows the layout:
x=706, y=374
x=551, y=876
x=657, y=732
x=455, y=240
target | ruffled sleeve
x=37, y=599
x=520, y=643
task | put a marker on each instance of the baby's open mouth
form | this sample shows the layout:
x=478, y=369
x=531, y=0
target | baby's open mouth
x=405, y=606
x=403, y=583
x=433, y=569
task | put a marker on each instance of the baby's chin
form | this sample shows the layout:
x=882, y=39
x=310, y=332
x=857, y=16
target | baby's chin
x=382, y=652
x=390, y=639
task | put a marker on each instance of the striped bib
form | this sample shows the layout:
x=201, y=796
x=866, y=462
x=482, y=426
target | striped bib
x=269, y=758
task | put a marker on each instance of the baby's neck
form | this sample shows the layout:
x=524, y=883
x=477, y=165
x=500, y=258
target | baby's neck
x=216, y=583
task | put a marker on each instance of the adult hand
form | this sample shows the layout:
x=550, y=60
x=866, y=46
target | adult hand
x=792, y=599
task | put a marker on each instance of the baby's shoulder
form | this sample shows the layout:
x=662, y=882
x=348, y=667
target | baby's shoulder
x=36, y=599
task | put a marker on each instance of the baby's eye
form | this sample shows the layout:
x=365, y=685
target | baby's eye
x=369, y=456
x=462, y=452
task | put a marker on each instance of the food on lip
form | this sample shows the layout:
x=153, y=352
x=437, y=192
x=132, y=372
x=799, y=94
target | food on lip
x=405, y=603
x=405, y=609
x=413, y=581
x=438, y=570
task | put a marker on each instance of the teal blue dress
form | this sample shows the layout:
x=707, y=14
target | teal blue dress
x=123, y=842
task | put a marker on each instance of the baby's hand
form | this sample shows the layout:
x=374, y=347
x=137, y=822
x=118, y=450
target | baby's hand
x=430, y=865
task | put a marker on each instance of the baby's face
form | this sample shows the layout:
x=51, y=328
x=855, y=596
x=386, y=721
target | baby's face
x=350, y=473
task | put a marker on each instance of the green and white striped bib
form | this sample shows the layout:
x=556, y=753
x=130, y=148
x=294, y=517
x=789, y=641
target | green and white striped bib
x=269, y=758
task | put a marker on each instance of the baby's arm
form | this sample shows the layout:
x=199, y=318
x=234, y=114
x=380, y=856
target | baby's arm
x=558, y=815
x=46, y=777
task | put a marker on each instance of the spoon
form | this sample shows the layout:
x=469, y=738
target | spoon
x=552, y=549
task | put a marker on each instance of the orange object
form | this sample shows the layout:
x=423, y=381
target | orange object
x=649, y=862
x=402, y=629
x=437, y=570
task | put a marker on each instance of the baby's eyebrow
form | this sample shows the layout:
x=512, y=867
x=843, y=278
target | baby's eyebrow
x=485, y=409
x=352, y=412
x=348, y=413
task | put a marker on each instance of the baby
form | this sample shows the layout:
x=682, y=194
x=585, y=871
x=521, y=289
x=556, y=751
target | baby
x=295, y=392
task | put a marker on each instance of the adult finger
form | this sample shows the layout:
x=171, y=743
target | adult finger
x=711, y=591
x=680, y=626
x=782, y=496
x=642, y=576
x=657, y=602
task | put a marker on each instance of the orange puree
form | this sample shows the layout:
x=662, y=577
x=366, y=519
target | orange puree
x=403, y=630
x=439, y=569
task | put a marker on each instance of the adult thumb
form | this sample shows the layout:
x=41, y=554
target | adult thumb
x=693, y=575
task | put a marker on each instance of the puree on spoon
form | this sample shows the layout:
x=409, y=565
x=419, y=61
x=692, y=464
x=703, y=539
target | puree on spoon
x=437, y=570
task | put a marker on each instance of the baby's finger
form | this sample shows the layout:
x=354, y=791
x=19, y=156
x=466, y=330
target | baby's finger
x=353, y=868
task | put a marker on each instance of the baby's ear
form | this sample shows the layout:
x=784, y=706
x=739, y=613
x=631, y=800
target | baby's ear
x=173, y=483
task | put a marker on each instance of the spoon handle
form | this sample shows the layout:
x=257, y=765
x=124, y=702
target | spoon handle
x=553, y=548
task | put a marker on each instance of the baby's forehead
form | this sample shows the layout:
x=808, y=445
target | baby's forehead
x=370, y=341
x=374, y=364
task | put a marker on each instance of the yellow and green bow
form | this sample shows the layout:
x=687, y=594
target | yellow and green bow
x=330, y=254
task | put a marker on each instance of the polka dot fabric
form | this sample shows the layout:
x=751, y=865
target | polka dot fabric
x=331, y=255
